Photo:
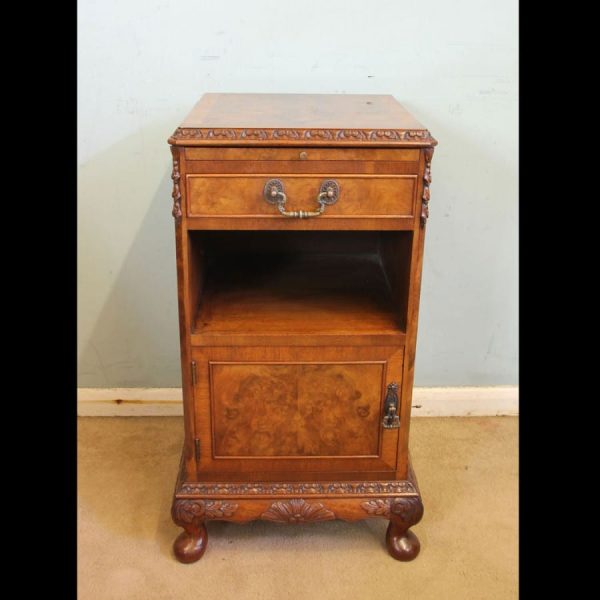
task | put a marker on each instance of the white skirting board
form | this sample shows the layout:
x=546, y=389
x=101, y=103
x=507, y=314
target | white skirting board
x=427, y=402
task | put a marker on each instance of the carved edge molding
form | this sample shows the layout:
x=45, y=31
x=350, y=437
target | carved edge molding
x=297, y=510
x=332, y=489
x=187, y=511
x=426, y=181
x=407, y=510
x=421, y=136
x=175, y=176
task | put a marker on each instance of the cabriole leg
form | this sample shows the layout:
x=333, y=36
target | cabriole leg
x=190, y=544
x=403, y=544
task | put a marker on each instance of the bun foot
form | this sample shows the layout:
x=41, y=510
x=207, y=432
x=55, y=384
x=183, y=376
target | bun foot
x=191, y=544
x=402, y=544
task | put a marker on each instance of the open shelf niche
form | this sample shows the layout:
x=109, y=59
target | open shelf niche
x=299, y=282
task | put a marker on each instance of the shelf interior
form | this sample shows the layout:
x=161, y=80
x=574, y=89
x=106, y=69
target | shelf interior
x=326, y=286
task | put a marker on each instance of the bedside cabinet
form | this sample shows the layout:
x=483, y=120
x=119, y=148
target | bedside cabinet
x=299, y=227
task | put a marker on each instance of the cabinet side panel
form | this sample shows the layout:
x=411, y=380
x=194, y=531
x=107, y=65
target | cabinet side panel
x=395, y=251
x=197, y=273
x=414, y=292
x=182, y=257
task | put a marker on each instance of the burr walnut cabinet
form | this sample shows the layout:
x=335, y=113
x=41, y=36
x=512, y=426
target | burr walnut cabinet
x=299, y=228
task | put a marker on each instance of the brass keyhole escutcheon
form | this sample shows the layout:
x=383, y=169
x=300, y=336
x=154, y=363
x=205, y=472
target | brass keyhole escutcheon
x=303, y=155
x=391, y=419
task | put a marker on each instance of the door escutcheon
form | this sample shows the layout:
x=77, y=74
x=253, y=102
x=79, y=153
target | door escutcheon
x=391, y=419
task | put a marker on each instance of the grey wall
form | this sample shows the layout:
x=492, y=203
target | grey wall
x=143, y=64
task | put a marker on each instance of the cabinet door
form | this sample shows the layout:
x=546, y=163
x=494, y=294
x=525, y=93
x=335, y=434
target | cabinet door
x=295, y=410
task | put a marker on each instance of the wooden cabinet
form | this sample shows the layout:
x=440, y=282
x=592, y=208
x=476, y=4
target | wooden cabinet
x=299, y=227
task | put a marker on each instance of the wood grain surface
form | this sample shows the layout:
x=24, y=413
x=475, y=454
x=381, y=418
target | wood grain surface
x=293, y=111
x=296, y=409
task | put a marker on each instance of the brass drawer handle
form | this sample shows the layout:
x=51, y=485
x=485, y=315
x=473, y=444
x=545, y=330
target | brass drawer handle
x=274, y=194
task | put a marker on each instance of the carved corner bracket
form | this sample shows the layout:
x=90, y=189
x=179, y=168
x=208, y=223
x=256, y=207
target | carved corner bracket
x=426, y=181
x=297, y=510
x=175, y=176
x=190, y=511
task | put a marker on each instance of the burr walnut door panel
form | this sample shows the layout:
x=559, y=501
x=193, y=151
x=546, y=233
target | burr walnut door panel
x=308, y=409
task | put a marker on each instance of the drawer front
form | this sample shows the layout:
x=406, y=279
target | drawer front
x=309, y=409
x=361, y=196
x=303, y=154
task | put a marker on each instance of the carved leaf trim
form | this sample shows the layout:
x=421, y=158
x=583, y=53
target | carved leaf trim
x=176, y=194
x=407, y=510
x=379, y=506
x=259, y=134
x=229, y=134
x=303, y=488
x=283, y=134
x=297, y=510
x=217, y=509
x=324, y=134
x=186, y=511
x=426, y=182
x=353, y=135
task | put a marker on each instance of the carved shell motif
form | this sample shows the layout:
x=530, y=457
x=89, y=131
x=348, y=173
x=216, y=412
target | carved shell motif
x=297, y=511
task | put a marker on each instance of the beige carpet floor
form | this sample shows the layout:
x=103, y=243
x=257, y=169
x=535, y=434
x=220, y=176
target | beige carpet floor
x=467, y=470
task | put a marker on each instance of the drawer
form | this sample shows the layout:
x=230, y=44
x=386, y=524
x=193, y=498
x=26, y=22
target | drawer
x=243, y=196
x=370, y=161
x=271, y=410
x=303, y=154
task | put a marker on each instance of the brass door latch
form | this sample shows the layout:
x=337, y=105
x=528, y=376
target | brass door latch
x=391, y=419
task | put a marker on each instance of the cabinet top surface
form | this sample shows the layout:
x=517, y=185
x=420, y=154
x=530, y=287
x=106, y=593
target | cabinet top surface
x=301, y=119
